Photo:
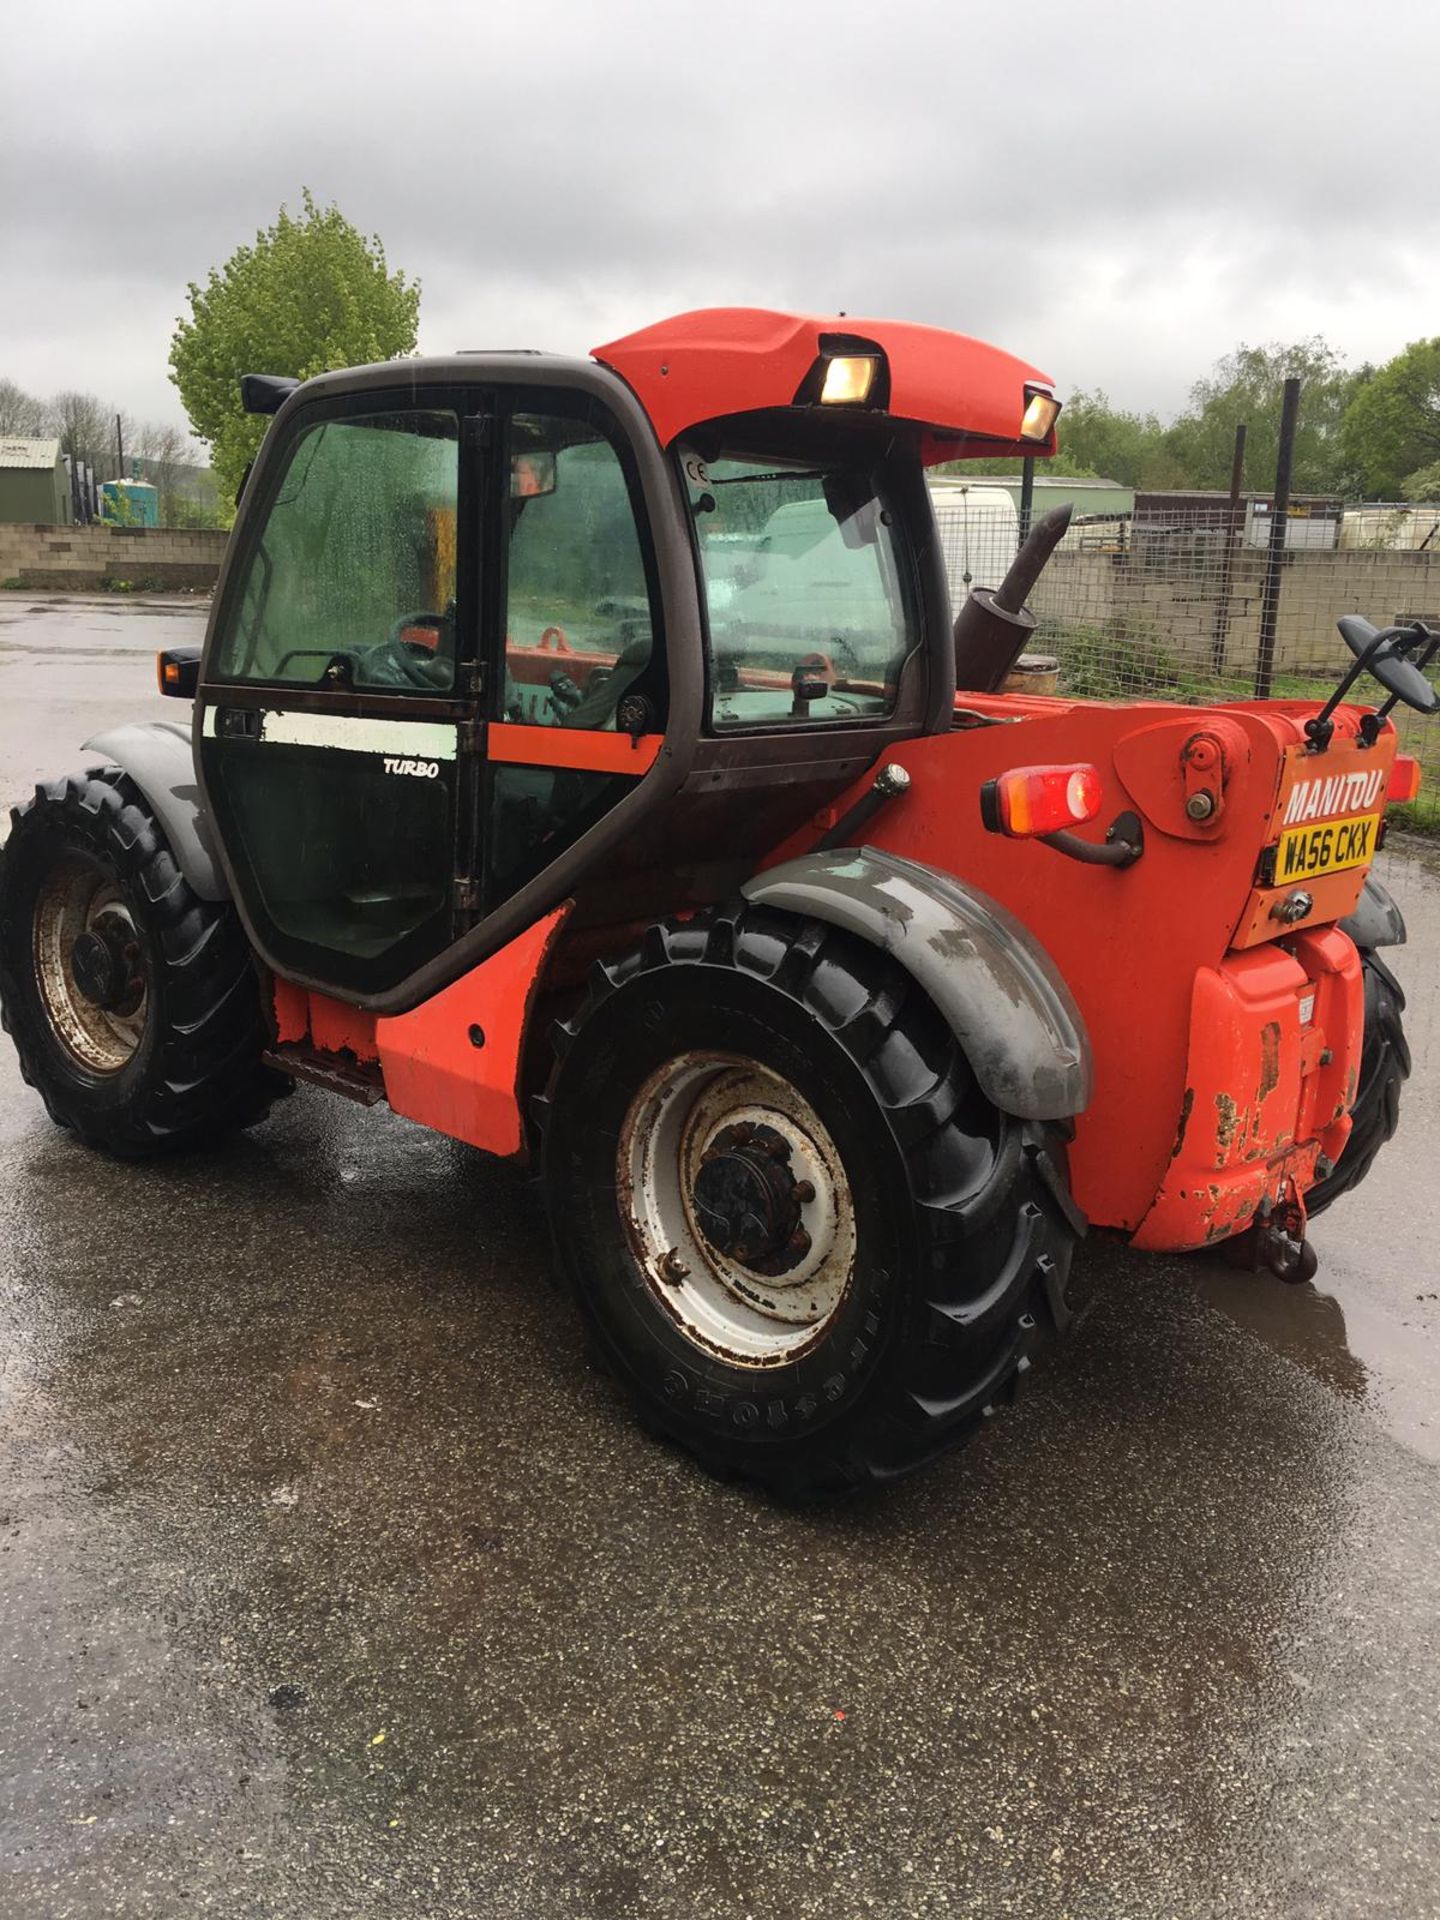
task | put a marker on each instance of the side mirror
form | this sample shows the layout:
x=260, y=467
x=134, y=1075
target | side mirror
x=1403, y=679
x=178, y=671
x=1384, y=652
x=265, y=392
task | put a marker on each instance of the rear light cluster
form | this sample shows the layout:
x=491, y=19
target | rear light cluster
x=1404, y=781
x=1030, y=801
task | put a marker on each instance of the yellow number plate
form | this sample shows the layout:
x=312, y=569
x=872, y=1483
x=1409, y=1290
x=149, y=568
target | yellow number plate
x=1330, y=846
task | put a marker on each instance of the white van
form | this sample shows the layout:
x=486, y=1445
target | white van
x=979, y=528
x=798, y=579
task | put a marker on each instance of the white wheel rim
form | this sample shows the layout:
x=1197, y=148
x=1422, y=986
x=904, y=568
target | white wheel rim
x=715, y=1144
x=78, y=898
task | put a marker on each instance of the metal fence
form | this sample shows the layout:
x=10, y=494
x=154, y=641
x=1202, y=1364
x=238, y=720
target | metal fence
x=1172, y=601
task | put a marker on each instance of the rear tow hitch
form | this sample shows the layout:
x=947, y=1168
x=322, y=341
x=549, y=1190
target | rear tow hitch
x=1277, y=1240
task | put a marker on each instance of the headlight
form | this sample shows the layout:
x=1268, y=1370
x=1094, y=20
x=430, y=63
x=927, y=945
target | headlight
x=848, y=380
x=1041, y=410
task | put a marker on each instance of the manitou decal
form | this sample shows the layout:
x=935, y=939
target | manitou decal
x=1340, y=793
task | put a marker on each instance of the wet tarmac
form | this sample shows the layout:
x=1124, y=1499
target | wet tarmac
x=333, y=1583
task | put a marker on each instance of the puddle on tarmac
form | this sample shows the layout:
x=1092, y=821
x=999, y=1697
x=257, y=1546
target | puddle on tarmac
x=1347, y=1342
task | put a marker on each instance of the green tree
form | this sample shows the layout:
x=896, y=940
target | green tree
x=1392, y=428
x=311, y=294
x=1423, y=484
x=1101, y=439
x=1248, y=385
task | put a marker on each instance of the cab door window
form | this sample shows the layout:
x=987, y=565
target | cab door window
x=578, y=626
x=352, y=579
x=582, y=650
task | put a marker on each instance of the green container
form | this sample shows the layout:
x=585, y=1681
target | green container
x=129, y=503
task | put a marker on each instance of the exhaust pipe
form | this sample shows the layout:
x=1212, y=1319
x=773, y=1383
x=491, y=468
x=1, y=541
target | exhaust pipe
x=994, y=628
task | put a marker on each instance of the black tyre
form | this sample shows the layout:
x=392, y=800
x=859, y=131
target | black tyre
x=133, y=1004
x=1384, y=1069
x=805, y=1242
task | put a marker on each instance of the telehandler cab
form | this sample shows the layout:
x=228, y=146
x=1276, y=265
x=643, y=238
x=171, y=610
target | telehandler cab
x=584, y=761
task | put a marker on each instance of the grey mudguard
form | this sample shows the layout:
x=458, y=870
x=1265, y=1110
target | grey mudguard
x=1000, y=992
x=1376, y=921
x=157, y=756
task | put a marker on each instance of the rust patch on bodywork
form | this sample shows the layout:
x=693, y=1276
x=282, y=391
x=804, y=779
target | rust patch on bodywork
x=1187, y=1107
x=1269, y=1058
x=1229, y=1122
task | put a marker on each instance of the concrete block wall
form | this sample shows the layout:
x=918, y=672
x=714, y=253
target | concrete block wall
x=1386, y=585
x=86, y=558
x=1182, y=606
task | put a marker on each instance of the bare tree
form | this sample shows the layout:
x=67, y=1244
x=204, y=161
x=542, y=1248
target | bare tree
x=164, y=453
x=20, y=412
x=86, y=426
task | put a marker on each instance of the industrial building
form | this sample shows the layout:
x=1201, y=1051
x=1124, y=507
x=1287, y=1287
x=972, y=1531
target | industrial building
x=34, y=483
x=1090, y=497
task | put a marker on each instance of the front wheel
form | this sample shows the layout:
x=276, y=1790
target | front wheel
x=133, y=1004
x=806, y=1243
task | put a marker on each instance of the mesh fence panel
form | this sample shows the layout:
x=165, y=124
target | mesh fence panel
x=1170, y=601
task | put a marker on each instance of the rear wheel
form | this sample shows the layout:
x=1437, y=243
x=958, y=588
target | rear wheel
x=1384, y=1069
x=805, y=1242
x=132, y=1003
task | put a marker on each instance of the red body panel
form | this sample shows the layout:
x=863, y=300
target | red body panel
x=434, y=1070
x=1243, y=1133
x=1130, y=942
x=724, y=360
x=306, y=1019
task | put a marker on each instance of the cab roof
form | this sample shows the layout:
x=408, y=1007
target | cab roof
x=967, y=396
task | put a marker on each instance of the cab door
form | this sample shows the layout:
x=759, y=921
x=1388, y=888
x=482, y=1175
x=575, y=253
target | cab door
x=338, y=724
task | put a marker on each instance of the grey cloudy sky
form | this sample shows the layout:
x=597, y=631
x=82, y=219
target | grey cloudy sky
x=1118, y=192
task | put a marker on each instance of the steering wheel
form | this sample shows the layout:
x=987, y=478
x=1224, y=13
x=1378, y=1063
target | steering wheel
x=816, y=666
x=401, y=661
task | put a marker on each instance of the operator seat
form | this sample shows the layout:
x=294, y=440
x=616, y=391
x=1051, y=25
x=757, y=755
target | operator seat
x=602, y=699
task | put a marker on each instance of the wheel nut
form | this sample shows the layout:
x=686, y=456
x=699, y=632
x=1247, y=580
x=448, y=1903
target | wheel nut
x=673, y=1268
x=804, y=1191
x=799, y=1243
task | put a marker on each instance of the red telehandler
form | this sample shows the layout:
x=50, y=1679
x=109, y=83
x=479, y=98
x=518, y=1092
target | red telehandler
x=586, y=760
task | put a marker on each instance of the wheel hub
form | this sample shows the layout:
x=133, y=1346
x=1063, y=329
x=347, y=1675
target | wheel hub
x=748, y=1201
x=105, y=965
x=737, y=1205
x=90, y=965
